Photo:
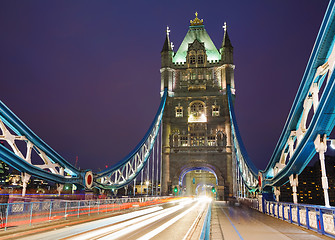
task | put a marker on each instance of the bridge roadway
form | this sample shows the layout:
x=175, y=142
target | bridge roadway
x=179, y=220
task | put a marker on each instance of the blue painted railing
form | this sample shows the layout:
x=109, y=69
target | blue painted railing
x=313, y=217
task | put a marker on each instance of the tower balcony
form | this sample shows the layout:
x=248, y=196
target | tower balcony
x=201, y=118
x=198, y=149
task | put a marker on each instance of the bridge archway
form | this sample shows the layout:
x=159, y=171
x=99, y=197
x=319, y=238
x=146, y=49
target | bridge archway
x=192, y=176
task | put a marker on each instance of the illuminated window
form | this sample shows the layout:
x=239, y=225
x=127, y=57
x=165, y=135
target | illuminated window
x=192, y=59
x=197, y=108
x=197, y=134
x=184, y=141
x=197, y=112
x=197, y=139
x=211, y=141
x=200, y=59
x=215, y=111
x=179, y=111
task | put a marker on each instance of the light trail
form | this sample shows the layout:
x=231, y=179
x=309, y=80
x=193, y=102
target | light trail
x=167, y=224
x=120, y=229
x=112, y=220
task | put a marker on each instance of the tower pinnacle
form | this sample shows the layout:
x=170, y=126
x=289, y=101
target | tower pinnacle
x=196, y=21
x=167, y=44
x=226, y=41
x=167, y=30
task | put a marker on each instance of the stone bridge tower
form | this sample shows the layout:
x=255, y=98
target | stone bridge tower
x=196, y=124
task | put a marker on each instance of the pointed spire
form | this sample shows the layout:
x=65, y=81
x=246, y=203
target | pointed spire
x=226, y=47
x=226, y=41
x=167, y=44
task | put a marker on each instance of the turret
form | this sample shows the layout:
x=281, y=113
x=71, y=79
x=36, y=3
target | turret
x=227, y=70
x=167, y=72
x=226, y=47
x=167, y=53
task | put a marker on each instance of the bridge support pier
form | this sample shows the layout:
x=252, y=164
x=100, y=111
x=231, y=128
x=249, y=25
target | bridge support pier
x=59, y=188
x=277, y=193
x=321, y=148
x=294, y=185
x=25, y=179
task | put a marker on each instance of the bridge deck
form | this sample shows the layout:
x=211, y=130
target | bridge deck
x=244, y=223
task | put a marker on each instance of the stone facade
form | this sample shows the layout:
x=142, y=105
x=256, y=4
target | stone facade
x=196, y=123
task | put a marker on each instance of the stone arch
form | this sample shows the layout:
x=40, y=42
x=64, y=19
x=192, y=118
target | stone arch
x=200, y=166
x=183, y=173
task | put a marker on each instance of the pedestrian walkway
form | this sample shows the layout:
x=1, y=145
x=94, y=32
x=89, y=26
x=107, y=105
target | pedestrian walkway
x=239, y=222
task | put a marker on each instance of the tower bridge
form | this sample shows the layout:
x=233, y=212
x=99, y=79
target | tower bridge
x=193, y=146
x=196, y=124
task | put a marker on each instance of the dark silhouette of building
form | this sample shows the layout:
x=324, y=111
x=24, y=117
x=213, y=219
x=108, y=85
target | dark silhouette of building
x=310, y=187
x=4, y=173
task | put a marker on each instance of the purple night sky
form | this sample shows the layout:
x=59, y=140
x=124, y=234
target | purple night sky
x=84, y=75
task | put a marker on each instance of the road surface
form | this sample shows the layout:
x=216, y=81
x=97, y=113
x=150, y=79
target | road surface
x=177, y=220
x=182, y=219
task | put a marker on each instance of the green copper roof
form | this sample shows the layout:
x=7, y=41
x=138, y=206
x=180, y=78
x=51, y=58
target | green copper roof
x=200, y=33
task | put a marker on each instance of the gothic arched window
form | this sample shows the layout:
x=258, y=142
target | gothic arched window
x=192, y=59
x=197, y=112
x=200, y=59
x=197, y=108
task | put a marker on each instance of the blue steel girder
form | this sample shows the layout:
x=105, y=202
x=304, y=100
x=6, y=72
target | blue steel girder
x=52, y=167
x=322, y=123
x=24, y=166
x=10, y=120
x=295, y=147
x=125, y=171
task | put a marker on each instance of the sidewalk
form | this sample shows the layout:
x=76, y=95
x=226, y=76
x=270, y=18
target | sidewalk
x=232, y=222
